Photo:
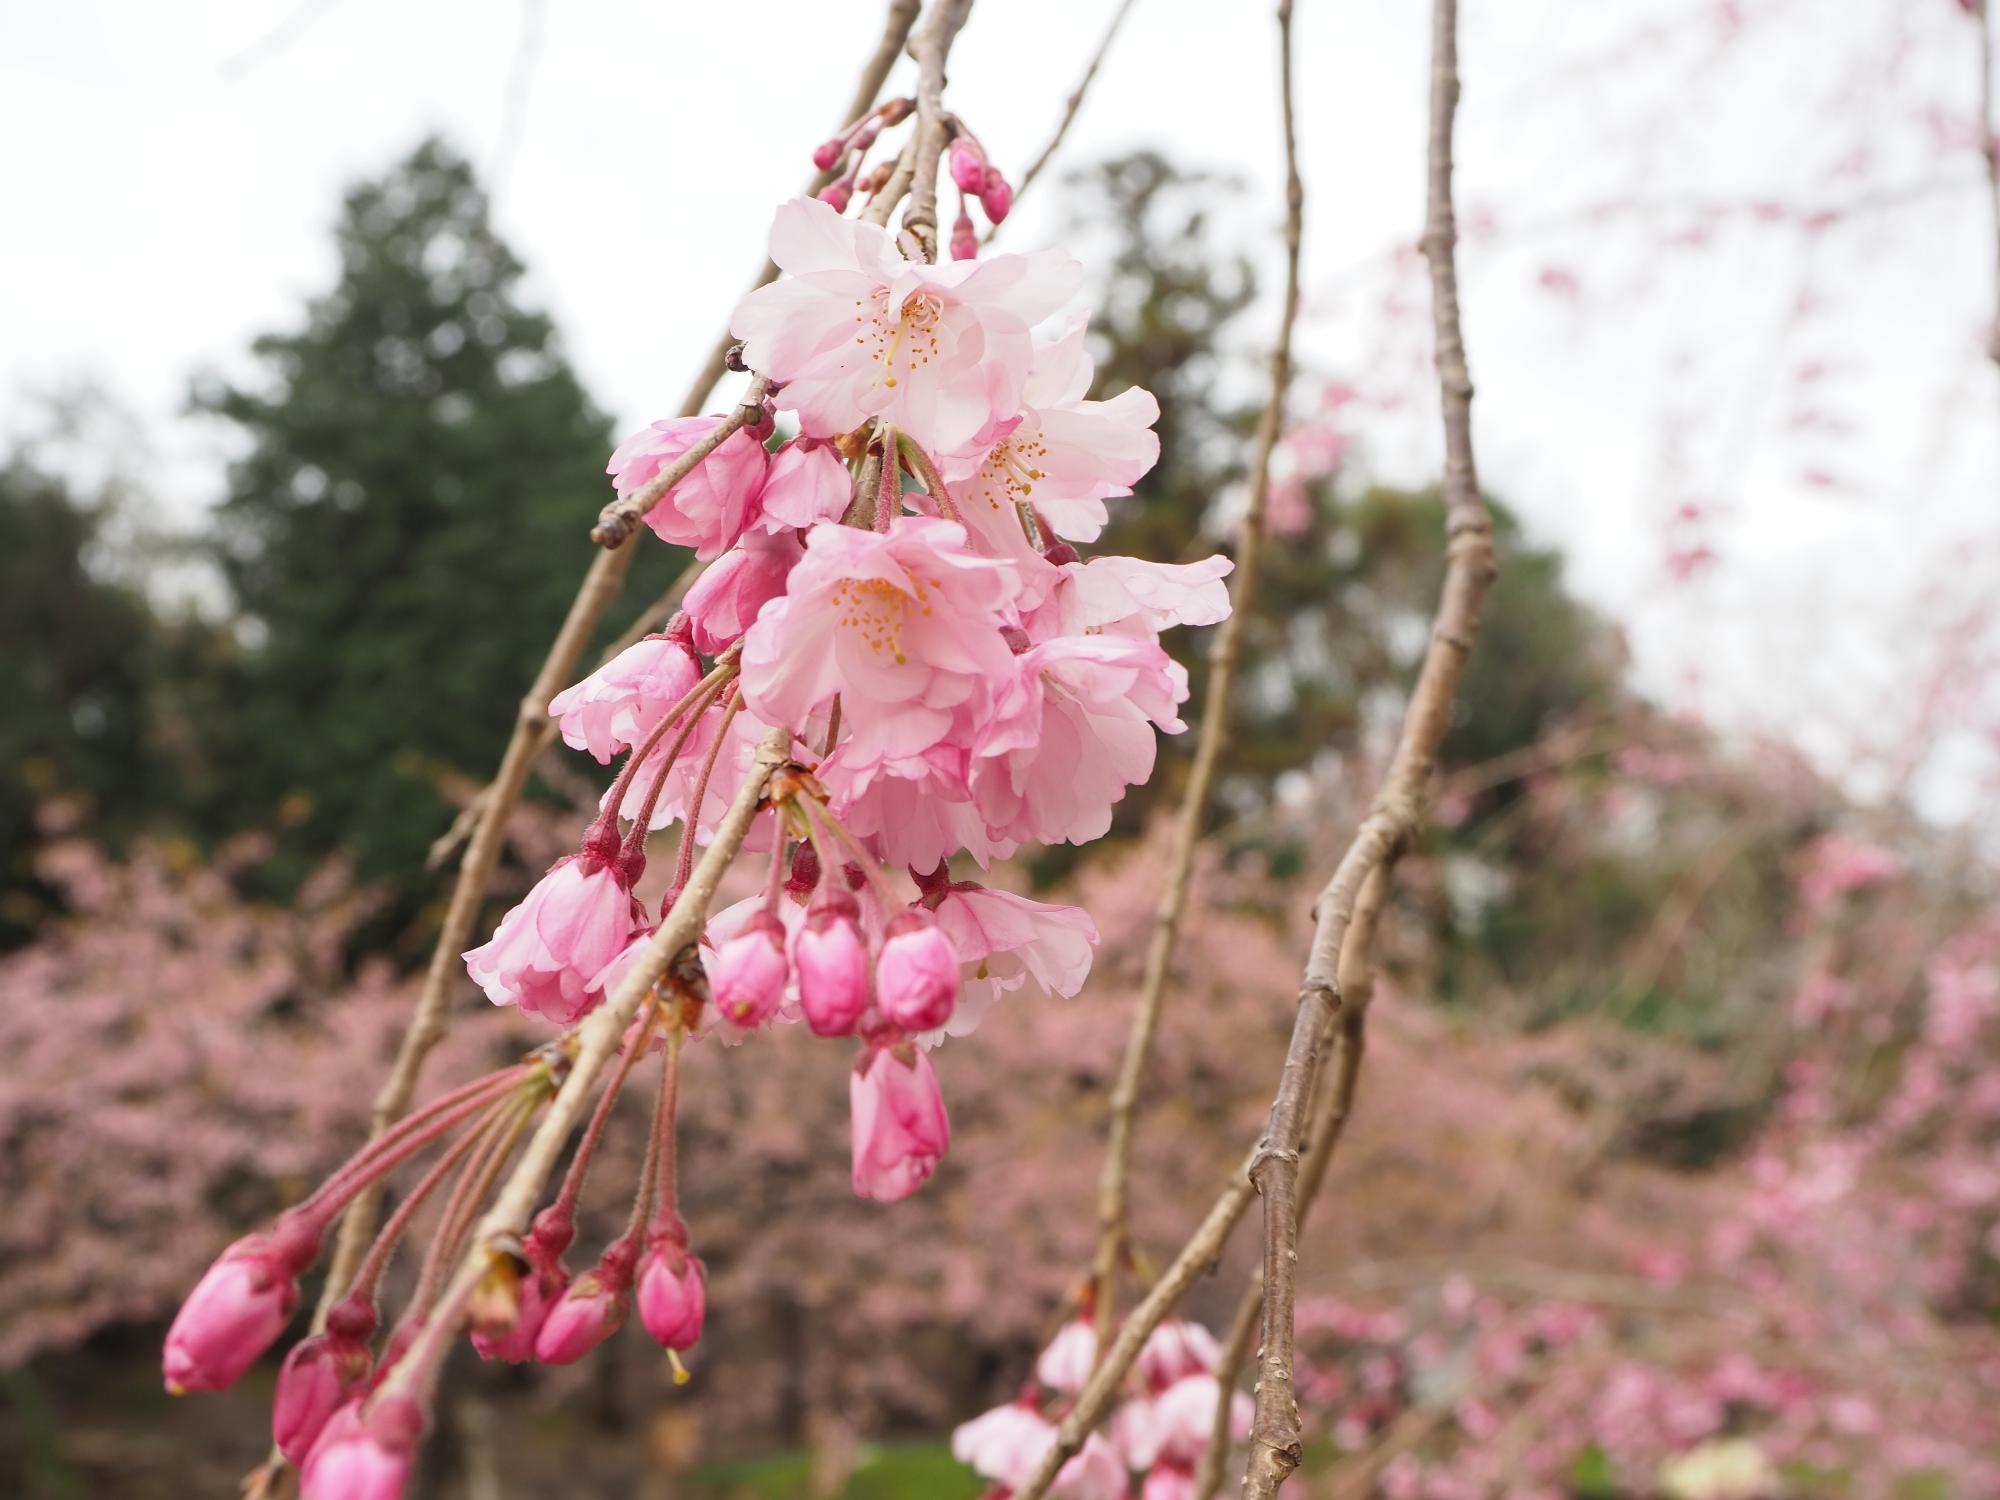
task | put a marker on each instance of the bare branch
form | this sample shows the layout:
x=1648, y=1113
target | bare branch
x=930, y=47
x=1275, y=1446
x=1225, y=651
x=1989, y=123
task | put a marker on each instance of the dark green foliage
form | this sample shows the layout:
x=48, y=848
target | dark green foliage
x=73, y=678
x=404, y=529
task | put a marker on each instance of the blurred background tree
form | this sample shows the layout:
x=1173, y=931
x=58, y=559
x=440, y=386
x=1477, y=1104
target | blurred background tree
x=403, y=529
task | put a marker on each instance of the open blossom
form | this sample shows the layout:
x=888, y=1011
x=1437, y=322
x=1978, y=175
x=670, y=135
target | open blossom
x=724, y=601
x=916, y=810
x=808, y=484
x=1174, y=1427
x=1076, y=730
x=855, y=331
x=1128, y=596
x=548, y=951
x=1065, y=1364
x=900, y=1131
x=1176, y=1349
x=1062, y=455
x=713, y=505
x=1006, y=1443
x=1007, y=942
x=619, y=704
x=903, y=626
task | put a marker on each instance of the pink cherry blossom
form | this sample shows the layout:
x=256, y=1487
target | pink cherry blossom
x=855, y=331
x=710, y=508
x=1174, y=1427
x=808, y=484
x=1007, y=943
x=1176, y=1349
x=916, y=973
x=724, y=601
x=365, y=1453
x=899, y=1125
x=319, y=1376
x=747, y=972
x=235, y=1312
x=590, y=1310
x=1007, y=1443
x=831, y=961
x=548, y=951
x=617, y=705
x=1062, y=454
x=915, y=810
x=903, y=626
x=1065, y=1365
x=1073, y=734
x=673, y=1294
x=1132, y=597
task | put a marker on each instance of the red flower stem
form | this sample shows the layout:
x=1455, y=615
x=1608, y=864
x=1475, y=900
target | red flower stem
x=722, y=671
x=689, y=823
x=889, y=494
x=473, y=1184
x=934, y=485
x=411, y=1135
x=658, y=1196
x=635, y=841
x=579, y=1166
x=392, y=1231
x=781, y=845
x=816, y=811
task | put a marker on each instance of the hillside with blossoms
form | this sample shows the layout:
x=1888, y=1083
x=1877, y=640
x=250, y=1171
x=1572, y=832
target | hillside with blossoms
x=1056, y=885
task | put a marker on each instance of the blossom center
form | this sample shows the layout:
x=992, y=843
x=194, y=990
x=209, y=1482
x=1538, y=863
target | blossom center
x=908, y=332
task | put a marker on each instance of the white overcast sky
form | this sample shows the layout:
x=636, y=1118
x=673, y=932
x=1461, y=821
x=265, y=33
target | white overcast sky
x=171, y=172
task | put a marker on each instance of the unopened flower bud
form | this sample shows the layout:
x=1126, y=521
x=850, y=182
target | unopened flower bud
x=837, y=194
x=829, y=152
x=673, y=1294
x=235, y=1312
x=590, y=1310
x=995, y=196
x=916, y=975
x=896, y=110
x=747, y=976
x=964, y=238
x=968, y=167
x=319, y=1376
x=832, y=963
x=900, y=1130
x=365, y=1453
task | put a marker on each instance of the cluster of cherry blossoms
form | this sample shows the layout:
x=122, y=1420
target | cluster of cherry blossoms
x=895, y=593
x=1159, y=1433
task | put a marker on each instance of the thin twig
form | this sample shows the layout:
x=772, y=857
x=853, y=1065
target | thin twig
x=1275, y=1443
x=619, y=520
x=930, y=47
x=1273, y=1168
x=1075, y=102
x=1225, y=652
x=601, y=585
x=1989, y=124
x=1331, y=1113
x=598, y=1039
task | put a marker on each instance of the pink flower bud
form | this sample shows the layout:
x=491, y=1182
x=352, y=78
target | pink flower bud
x=512, y=1339
x=829, y=152
x=900, y=1128
x=673, y=1294
x=995, y=196
x=837, y=194
x=831, y=962
x=748, y=975
x=968, y=167
x=1177, y=1349
x=916, y=975
x=589, y=1311
x=319, y=1376
x=964, y=238
x=235, y=1312
x=365, y=1453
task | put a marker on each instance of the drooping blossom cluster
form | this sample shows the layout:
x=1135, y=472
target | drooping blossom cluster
x=895, y=591
x=1158, y=1433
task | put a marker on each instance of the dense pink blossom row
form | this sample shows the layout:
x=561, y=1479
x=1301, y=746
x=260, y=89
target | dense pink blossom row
x=1159, y=1432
